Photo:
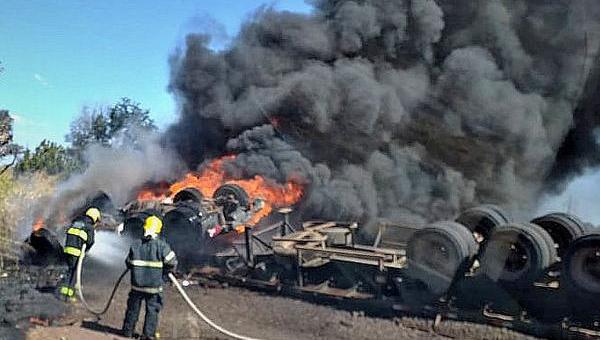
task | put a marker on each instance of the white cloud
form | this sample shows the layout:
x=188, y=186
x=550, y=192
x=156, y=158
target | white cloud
x=41, y=79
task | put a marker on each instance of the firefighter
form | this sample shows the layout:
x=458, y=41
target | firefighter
x=81, y=232
x=149, y=260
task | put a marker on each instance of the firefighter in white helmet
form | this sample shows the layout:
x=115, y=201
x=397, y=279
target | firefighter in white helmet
x=149, y=259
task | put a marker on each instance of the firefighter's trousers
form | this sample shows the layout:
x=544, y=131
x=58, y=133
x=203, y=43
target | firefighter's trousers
x=66, y=289
x=154, y=303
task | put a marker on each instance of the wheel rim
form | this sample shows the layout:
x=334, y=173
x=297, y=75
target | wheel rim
x=563, y=229
x=517, y=259
x=435, y=253
x=231, y=191
x=585, y=269
x=508, y=258
x=439, y=256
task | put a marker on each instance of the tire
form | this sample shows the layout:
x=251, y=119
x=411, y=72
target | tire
x=48, y=250
x=563, y=229
x=101, y=201
x=483, y=219
x=236, y=191
x=133, y=226
x=465, y=233
x=222, y=195
x=581, y=265
x=184, y=232
x=517, y=254
x=188, y=194
x=440, y=253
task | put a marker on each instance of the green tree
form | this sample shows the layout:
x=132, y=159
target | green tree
x=48, y=157
x=103, y=125
x=90, y=127
x=7, y=147
x=126, y=113
x=6, y=133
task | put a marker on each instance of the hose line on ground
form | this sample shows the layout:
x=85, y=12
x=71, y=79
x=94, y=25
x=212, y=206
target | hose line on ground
x=204, y=317
x=79, y=286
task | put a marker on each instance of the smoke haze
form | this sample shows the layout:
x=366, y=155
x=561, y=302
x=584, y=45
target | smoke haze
x=116, y=171
x=408, y=110
x=109, y=249
x=398, y=109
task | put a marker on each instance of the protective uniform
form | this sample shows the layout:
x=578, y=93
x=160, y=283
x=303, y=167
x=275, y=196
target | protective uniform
x=148, y=260
x=81, y=232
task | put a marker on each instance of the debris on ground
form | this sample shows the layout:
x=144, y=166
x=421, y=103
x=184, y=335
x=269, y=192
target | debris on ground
x=26, y=301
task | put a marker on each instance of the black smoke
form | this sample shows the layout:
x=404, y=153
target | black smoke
x=398, y=109
x=580, y=149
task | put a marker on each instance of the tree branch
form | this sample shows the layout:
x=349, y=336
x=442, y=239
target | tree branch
x=6, y=167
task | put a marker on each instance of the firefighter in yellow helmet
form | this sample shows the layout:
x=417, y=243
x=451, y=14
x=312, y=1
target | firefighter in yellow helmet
x=149, y=259
x=79, y=233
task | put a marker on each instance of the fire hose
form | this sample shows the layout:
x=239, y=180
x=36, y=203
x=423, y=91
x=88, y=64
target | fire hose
x=204, y=317
x=79, y=288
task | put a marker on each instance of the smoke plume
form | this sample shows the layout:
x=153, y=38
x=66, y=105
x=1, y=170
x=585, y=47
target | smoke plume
x=397, y=109
x=115, y=171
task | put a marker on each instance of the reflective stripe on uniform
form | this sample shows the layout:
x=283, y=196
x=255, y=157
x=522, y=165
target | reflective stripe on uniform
x=142, y=263
x=170, y=256
x=78, y=232
x=149, y=290
x=73, y=251
x=67, y=291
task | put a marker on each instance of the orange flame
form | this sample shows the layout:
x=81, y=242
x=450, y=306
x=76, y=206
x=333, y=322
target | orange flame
x=213, y=176
x=155, y=192
x=207, y=181
x=274, y=195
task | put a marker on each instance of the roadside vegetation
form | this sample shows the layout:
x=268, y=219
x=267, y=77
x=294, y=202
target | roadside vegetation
x=29, y=175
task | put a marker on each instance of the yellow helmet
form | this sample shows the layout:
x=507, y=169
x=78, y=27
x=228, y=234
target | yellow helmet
x=152, y=226
x=94, y=214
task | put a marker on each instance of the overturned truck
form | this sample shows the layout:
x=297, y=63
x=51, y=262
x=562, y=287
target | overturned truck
x=540, y=277
x=193, y=221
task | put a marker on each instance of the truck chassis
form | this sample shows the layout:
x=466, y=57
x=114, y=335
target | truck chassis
x=321, y=262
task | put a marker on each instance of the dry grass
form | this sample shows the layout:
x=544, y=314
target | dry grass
x=18, y=199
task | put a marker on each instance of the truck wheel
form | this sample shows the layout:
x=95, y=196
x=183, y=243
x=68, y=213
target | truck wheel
x=563, y=229
x=439, y=253
x=234, y=190
x=133, y=226
x=581, y=265
x=225, y=193
x=188, y=194
x=517, y=254
x=483, y=219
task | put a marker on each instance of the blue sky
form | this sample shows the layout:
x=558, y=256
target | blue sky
x=62, y=55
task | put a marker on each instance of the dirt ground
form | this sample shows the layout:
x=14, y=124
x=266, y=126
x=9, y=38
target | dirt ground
x=246, y=312
x=257, y=315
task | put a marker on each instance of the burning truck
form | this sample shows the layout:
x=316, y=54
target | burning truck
x=196, y=209
x=204, y=205
x=540, y=277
